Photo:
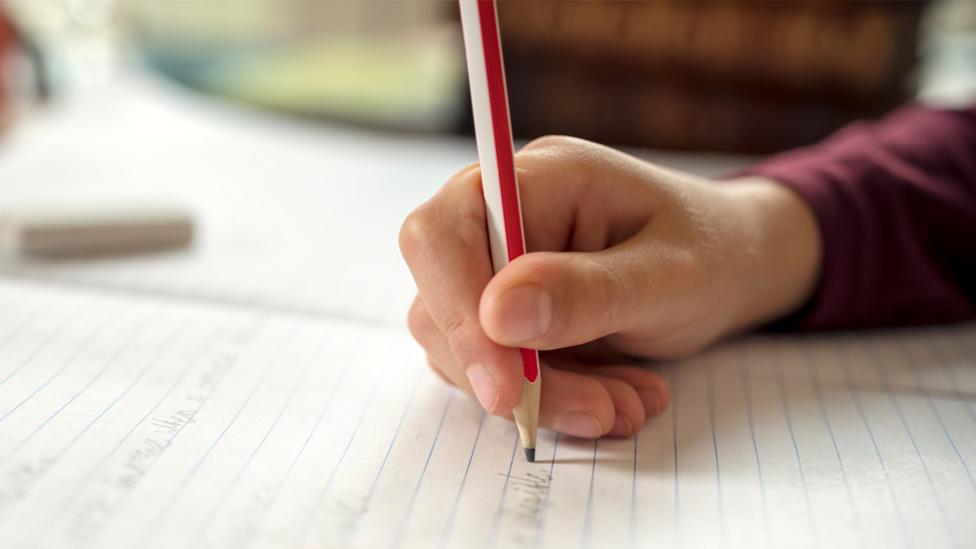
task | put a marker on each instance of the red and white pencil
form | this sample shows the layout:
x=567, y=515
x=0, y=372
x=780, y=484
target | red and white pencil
x=493, y=130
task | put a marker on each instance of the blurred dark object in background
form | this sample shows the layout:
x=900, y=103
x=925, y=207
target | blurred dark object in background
x=729, y=75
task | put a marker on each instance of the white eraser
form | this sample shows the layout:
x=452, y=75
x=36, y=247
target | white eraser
x=73, y=229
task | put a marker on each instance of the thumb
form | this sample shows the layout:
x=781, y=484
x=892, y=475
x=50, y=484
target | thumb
x=550, y=300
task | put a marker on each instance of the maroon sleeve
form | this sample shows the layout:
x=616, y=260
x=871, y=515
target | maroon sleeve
x=896, y=205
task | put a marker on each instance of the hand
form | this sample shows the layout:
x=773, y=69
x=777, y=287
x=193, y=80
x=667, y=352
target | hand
x=627, y=261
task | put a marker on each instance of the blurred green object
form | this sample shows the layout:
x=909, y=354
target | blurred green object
x=374, y=72
x=408, y=84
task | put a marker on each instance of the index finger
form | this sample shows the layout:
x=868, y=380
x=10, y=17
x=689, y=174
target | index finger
x=445, y=245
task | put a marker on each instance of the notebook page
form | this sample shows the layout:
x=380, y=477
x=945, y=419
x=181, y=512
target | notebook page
x=139, y=422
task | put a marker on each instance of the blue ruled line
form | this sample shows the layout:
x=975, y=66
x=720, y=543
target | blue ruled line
x=158, y=519
x=449, y=526
x=291, y=466
x=493, y=533
x=632, y=525
x=710, y=389
x=883, y=378
x=398, y=534
x=335, y=470
x=108, y=364
x=59, y=514
x=785, y=401
x=78, y=352
x=675, y=386
x=51, y=337
x=145, y=370
x=856, y=396
x=747, y=395
x=386, y=457
x=932, y=407
x=818, y=393
x=12, y=335
x=588, y=517
x=209, y=521
x=950, y=371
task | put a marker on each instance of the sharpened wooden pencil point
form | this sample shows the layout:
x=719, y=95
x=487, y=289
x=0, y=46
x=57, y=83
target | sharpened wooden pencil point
x=530, y=455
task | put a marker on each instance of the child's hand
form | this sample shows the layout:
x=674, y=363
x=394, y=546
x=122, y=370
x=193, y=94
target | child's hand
x=627, y=259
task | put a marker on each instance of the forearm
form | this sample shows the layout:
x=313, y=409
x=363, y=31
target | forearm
x=895, y=209
x=784, y=251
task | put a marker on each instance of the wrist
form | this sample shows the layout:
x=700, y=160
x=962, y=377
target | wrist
x=782, y=263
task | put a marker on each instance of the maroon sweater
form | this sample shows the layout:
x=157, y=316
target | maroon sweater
x=896, y=205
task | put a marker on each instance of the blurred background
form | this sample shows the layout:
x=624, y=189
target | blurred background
x=752, y=76
x=296, y=135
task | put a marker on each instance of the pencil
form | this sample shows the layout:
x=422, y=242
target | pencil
x=496, y=152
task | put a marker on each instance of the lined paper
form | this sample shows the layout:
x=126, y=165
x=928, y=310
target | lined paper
x=130, y=421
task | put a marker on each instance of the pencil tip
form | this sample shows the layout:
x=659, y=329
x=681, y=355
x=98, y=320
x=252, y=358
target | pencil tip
x=530, y=454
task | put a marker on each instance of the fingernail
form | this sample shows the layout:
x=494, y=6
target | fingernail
x=652, y=402
x=526, y=313
x=622, y=427
x=578, y=424
x=484, y=384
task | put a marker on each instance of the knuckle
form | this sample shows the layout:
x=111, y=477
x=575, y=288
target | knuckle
x=420, y=323
x=417, y=230
x=454, y=214
x=560, y=156
x=465, y=173
x=567, y=148
x=454, y=326
x=551, y=142
x=460, y=189
x=615, y=288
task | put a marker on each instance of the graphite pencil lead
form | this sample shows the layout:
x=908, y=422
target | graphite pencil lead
x=530, y=454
